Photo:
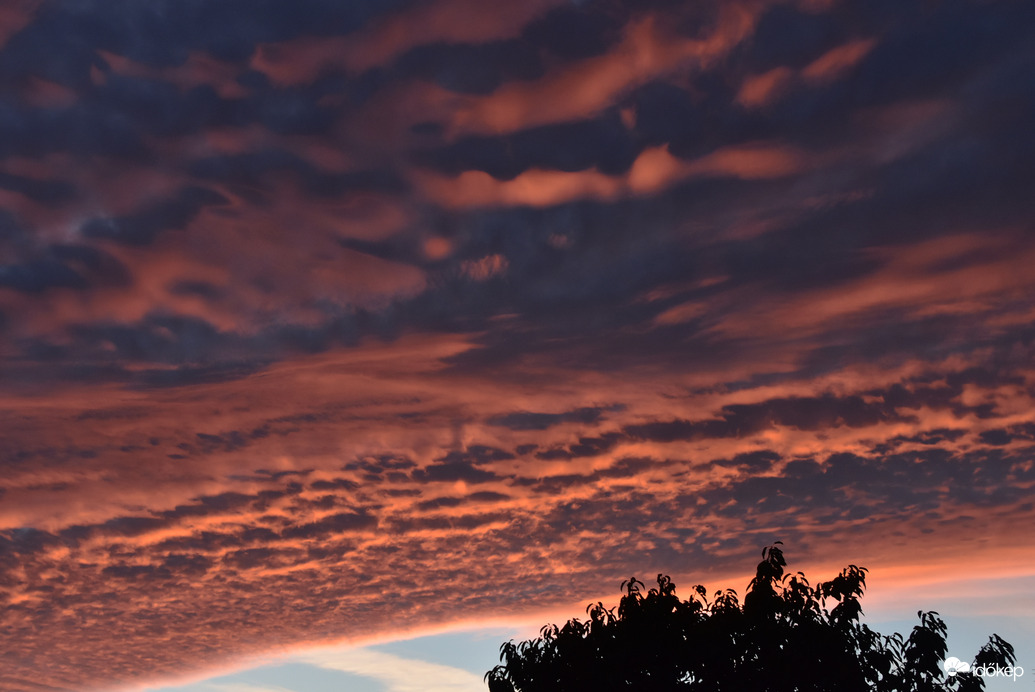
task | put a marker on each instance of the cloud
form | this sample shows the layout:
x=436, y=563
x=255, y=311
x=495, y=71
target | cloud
x=14, y=17
x=647, y=51
x=738, y=420
x=396, y=673
x=528, y=420
x=259, y=171
x=142, y=227
x=455, y=22
x=485, y=268
x=603, y=143
x=241, y=687
x=365, y=317
x=836, y=61
x=472, y=69
x=44, y=191
x=653, y=171
x=764, y=88
x=454, y=471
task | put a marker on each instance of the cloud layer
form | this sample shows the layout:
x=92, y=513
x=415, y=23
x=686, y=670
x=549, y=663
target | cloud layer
x=333, y=320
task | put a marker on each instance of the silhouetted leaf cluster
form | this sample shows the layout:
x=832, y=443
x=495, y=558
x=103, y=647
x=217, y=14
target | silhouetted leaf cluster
x=786, y=636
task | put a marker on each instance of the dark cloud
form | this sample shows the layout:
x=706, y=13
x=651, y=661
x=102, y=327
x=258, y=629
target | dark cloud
x=595, y=446
x=453, y=471
x=201, y=289
x=39, y=275
x=937, y=436
x=381, y=467
x=624, y=467
x=259, y=171
x=1024, y=431
x=666, y=113
x=251, y=558
x=566, y=292
x=585, y=447
x=447, y=502
x=212, y=504
x=38, y=267
x=52, y=192
x=395, y=249
x=157, y=338
x=487, y=496
x=195, y=374
x=574, y=32
x=162, y=34
x=123, y=527
x=146, y=573
x=846, y=485
x=80, y=129
x=752, y=462
x=998, y=437
x=919, y=53
x=792, y=37
x=335, y=484
x=291, y=112
x=336, y=523
x=528, y=420
x=225, y=442
x=463, y=522
x=187, y=565
x=470, y=68
x=440, y=502
x=143, y=226
x=476, y=454
x=162, y=108
x=804, y=413
x=602, y=143
x=25, y=541
x=199, y=350
x=100, y=267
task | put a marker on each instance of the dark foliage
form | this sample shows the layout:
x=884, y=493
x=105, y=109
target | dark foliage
x=786, y=636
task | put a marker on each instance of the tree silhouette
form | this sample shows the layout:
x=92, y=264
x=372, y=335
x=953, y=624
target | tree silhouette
x=785, y=637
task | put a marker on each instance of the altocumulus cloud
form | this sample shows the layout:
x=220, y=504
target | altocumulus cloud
x=318, y=318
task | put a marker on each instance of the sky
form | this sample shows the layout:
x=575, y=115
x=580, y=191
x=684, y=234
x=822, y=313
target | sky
x=351, y=338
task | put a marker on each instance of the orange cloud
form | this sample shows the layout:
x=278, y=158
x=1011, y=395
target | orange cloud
x=200, y=68
x=751, y=162
x=41, y=93
x=928, y=278
x=300, y=61
x=763, y=89
x=534, y=188
x=14, y=17
x=760, y=90
x=485, y=268
x=683, y=312
x=653, y=171
x=259, y=283
x=836, y=61
x=454, y=21
x=648, y=51
x=301, y=553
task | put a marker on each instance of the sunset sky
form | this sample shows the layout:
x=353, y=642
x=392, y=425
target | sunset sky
x=406, y=324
